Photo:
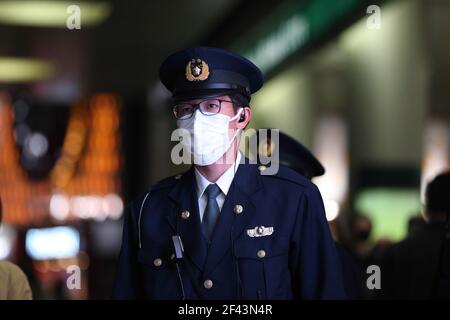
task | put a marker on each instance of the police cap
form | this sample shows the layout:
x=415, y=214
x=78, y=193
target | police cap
x=202, y=72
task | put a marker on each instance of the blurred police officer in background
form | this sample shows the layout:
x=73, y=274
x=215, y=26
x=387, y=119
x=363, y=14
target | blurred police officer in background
x=291, y=153
x=224, y=229
x=296, y=156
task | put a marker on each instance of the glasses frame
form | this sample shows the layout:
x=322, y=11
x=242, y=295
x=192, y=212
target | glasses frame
x=196, y=106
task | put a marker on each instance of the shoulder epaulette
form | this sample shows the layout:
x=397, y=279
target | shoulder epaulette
x=285, y=173
x=166, y=182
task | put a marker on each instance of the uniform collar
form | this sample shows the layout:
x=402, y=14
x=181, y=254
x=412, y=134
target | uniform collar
x=224, y=181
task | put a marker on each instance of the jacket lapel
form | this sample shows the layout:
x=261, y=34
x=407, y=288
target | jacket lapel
x=230, y=225
x=183, y=196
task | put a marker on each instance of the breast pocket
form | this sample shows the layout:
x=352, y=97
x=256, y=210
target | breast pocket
x=159, y=279
x=263, y=267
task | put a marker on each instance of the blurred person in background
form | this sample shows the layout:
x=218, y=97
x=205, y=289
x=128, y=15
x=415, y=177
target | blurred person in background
x=416, y=224
x=418, y=267
x=361, y=227
x=363, y=251
x=13, y=282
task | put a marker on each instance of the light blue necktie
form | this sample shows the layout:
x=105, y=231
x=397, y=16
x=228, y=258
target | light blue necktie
x=211, y=211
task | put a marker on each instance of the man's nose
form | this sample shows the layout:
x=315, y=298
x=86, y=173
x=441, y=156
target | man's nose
x=196, y=113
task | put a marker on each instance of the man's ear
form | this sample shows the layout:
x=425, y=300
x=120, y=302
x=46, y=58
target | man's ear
x=244, y=118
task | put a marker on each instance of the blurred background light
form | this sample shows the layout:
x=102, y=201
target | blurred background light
x=5, y=248
x=389, y=210
x=436, y=144
x=78, y=205
x=330, y=147
x=51, y=13
x=7, y=237
x=113, y=206
x=36, y=145
x=331, y=209
x=52, y=243
x=13, y=69
x=97, y=207
x=59, y=207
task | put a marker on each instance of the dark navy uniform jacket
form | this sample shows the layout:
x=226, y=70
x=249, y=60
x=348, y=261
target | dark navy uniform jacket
x=297, y=261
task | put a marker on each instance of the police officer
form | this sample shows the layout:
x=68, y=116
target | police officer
x=224, y=229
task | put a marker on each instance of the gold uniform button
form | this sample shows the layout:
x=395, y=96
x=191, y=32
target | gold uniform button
x=261, y=254
x=238, y=209
x=185, y=214
x=208, y=284
x=262, y=168
x=157, y=262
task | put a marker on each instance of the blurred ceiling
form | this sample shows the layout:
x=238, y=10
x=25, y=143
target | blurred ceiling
x=122, y=54
x=140, y=34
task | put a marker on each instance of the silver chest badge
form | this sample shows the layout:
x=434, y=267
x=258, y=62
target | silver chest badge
x=260, y=231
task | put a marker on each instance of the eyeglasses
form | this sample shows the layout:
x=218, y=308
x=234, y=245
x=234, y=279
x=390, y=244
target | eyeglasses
x=208, y=107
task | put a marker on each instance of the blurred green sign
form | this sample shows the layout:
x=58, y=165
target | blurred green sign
x=389, y=210
x=293, y=26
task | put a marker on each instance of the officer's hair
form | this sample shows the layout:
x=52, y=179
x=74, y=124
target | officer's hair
x=437, y=195
x=239, y=101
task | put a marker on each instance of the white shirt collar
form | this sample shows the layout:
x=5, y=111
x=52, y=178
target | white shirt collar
x=224, y=181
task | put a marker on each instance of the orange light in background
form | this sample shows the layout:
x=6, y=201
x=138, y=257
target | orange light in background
x=16, y=191
x=73, y=145
x=89, y=166
x=98, y=168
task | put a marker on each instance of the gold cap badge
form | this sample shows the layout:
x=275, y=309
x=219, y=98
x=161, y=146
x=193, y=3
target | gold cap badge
x=197, y=70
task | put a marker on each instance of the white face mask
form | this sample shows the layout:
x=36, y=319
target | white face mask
x=209, y=139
